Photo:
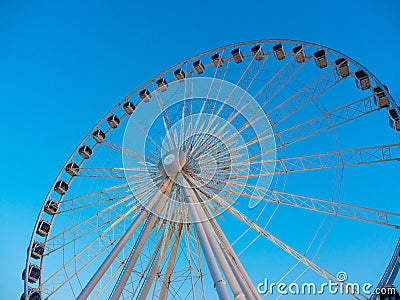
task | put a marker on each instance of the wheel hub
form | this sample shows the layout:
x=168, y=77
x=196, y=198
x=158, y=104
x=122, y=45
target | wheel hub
x=172, y=163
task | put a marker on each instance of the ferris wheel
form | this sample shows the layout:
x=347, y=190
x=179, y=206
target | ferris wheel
x=247, y=161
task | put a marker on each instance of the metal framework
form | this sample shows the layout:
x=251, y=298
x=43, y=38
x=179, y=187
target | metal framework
x=142, y=214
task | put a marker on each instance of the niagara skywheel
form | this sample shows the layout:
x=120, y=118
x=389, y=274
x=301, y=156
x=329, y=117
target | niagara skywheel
x=246, y=172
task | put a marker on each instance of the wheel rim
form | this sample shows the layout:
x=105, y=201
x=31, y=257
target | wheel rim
x=326, y=80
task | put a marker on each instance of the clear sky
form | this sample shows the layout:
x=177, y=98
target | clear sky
x=63, y=65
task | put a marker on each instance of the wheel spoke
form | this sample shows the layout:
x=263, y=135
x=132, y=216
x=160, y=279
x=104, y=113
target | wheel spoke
x=116, y=172
x=320, y=124
x=82, y=229
x=328, y=160
x=355, y=212
x=304, y=96
x=142, y=159
x=294, y=253
x=83, y=259
x=213, y=117
x=280, y=79
x=96, y=198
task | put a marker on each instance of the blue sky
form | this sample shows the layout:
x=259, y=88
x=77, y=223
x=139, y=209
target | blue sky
x=63, y=65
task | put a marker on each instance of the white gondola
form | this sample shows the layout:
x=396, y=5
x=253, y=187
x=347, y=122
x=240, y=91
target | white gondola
x=342, y=67
x=278, y=51
x=362, y=80
x=299, y=54
x=129, y=107
x=51, y=206
x=145, y=95
x=37, y=250
x=381, y=98
x=43, y=227
x=61, y=187
x=179, y=74
x=113, y=121
x=72, y=168
x=217, y=60
x=33, y=273
x=257, y=52
x=99, y=135
x=33, y=294
x=237, y=55
x=394, y=119
x=198, y=67
x=85, y=151
x=162, y=84
x=320, y=58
